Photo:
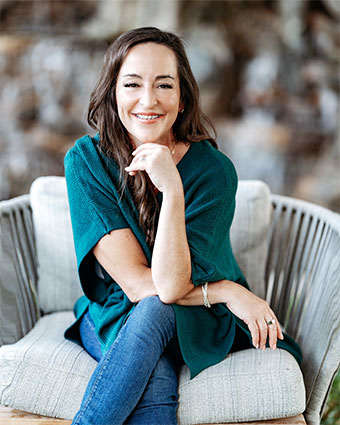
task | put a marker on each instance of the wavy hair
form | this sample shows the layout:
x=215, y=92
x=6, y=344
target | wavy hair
x=190, y=126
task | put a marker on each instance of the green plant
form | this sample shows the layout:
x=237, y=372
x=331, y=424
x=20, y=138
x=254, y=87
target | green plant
x=331, y=415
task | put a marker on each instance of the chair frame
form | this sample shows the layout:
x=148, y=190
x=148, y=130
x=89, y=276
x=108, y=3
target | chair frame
x=302, y=284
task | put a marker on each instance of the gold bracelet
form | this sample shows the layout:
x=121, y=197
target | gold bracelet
x=205, y=295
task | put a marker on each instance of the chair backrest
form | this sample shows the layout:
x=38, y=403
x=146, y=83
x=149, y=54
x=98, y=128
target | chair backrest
x=18, y=270
x=58, y=284
x=303, y=288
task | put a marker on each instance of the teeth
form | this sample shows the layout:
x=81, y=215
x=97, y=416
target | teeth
x=147, y=117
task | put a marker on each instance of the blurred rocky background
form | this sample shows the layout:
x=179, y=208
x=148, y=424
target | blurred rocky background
x=268, y=72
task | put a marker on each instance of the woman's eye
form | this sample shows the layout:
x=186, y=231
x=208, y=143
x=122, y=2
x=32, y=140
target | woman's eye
x=133, y=85
x=165, y=86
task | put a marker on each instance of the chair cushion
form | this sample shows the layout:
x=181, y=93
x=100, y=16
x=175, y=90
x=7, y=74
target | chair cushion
x=58, y=283
x=45, y=374
x=249, y=231
x=249, y=385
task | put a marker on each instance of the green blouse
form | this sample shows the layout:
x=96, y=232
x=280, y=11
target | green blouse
x=205, y=335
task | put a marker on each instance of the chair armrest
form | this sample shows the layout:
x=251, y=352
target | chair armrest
x=303, y=288
x=18, y=270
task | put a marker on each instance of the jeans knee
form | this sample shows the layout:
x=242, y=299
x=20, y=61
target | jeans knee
x=151, y=313
x=154, y=306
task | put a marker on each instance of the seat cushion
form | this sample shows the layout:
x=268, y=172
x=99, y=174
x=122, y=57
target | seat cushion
x=249, y=385
x=45, y=374
x=58, y=283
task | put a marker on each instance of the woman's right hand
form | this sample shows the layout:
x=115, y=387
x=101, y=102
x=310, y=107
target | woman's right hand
x=256, y=313
x=157, y=161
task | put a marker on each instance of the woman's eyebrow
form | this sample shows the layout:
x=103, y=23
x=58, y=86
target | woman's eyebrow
x=159, y=77
x=132, y=75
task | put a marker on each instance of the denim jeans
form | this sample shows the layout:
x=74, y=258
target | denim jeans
x=135, y=381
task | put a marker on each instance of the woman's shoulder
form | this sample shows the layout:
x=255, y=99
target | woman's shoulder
x=86, y=163
x=217, y=157
x=84, y=147
x=212, y=163
x=86, y=154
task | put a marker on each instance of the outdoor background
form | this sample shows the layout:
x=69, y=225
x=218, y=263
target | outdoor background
x=268, y=72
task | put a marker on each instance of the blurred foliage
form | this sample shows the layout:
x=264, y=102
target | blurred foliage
x=331, y=415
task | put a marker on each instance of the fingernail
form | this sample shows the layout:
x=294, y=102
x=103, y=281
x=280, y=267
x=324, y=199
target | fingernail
x=274, y=347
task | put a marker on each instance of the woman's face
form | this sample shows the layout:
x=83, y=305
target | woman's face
x=148, y=93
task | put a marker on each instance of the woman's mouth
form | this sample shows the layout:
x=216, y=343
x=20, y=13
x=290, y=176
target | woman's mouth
x=148, y=117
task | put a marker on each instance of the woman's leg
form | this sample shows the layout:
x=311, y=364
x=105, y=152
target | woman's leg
x=158, y=404
x=89, y=337
x=122, y=374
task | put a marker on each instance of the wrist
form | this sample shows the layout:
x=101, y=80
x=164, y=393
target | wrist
x=174, y=192
x=228, y=290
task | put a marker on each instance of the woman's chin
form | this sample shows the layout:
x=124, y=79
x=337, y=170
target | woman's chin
x=151, y=137
x=146, y=139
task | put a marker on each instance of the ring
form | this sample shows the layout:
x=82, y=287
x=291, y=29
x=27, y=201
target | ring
x=271, y=322
x=143, y=158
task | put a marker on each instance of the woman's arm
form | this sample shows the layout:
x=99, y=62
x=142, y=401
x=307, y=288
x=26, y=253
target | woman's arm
x=122, y=257
x=171, y=262
x=248, y=307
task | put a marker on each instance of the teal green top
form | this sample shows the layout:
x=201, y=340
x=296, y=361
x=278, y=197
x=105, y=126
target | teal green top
x=205, y=335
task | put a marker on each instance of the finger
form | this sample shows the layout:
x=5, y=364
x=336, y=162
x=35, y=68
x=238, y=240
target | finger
x=137, y=164
x=272, y=330
x=280, y=333
x=132, y=173
x=278, y=326
x=263, y=327
x=254, y=330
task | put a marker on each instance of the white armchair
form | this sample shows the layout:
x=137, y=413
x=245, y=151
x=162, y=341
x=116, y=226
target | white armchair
x=289, y=252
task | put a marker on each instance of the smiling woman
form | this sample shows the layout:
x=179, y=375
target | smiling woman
x=148, y=94
x=152, y=201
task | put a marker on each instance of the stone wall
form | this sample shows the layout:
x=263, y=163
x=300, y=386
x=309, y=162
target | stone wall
x=268, y=73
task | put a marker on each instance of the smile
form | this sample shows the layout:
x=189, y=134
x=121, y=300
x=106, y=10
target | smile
x=147, y=117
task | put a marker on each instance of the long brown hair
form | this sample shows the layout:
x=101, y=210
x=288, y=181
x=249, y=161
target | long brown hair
x=114, y=139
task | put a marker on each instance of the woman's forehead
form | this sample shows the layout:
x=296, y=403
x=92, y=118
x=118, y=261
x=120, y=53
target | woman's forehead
x=150, y=59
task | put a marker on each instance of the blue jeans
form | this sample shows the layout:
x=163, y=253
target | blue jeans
x=135, y=382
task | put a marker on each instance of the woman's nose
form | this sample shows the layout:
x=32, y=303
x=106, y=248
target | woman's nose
x=148, y=98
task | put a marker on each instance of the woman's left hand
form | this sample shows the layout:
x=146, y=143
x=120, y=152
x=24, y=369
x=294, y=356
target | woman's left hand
x=158, y=162
x=256, y=313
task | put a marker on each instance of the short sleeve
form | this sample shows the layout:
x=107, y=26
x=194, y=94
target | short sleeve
x=209, y=214
x=94, y=213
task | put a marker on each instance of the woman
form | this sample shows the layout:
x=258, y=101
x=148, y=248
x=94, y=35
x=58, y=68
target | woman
x=152, y=201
